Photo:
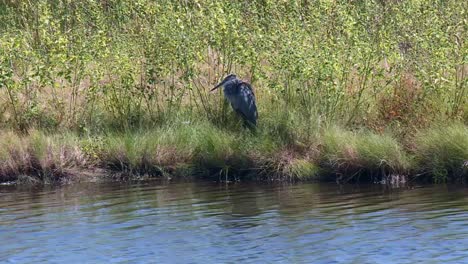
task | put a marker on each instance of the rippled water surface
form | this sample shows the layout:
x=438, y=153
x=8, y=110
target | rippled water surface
x=240, y=223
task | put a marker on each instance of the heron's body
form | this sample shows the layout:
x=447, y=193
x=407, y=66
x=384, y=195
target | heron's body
x=241, y=97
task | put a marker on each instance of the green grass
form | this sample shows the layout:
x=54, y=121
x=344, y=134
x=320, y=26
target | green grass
x=203, y=150
x=442, y=153
x=302, y=169
x=363, y=153
x=198, y=147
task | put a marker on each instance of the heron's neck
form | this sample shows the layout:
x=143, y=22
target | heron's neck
x=230, y=86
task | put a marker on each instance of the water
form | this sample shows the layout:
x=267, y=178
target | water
x=242, y=223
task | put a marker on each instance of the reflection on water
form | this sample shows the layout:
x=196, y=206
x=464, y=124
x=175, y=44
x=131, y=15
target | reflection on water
x=212, y=223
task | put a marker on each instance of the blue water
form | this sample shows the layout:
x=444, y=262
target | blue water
x=240, y=223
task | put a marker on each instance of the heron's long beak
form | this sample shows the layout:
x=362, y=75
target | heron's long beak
x=217, y=86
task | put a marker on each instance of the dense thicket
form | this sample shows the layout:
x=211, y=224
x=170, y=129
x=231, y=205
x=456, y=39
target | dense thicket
x=95, y=63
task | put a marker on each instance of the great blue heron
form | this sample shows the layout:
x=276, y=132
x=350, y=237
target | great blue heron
x=241, y=97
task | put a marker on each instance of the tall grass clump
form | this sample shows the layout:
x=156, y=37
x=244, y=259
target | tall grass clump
x=351, y=155
x=302, y=169
x=442, y=153
x=38, y=156
x=213, y=152
x=197, y=148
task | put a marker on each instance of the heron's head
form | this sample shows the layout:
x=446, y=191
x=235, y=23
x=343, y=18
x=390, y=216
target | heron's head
x=225, y=80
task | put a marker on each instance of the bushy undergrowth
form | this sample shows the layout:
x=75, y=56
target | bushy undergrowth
x=97, y=65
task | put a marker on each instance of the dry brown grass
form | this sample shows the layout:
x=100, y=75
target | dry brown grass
x=49, y=159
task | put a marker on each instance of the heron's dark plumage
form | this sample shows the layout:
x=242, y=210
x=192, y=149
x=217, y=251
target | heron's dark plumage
x=246, y=106
x=241, y=96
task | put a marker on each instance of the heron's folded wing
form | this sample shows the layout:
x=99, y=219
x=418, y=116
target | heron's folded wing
x=246, y=102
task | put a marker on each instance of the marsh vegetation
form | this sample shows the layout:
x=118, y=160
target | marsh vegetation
x=346, y=90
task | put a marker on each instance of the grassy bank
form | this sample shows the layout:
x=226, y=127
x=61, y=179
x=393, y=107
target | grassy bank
x=202, y=150
x=345, y=90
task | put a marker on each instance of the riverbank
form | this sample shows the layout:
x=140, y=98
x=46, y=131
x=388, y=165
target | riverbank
x=345, y=91
x=202, y=150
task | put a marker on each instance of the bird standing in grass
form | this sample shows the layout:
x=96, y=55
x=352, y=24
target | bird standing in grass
x=241, y=97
